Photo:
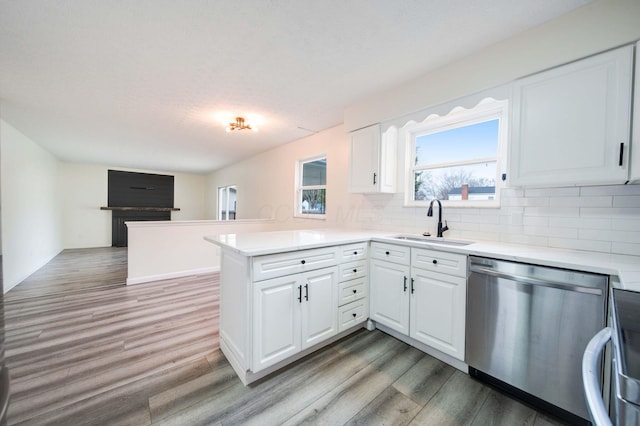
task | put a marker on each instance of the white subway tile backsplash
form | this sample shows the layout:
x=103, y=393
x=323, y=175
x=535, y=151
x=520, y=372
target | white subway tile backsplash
x=535, y=221
x=524, y=239
x=626, y=224
x=626, y=248
x=603, y=201
x=595, y=235
x=626, y=201
x=552, y=211
x=624, y=236
x=552, y=192
x=625, y=212
x=610, y=190
x=511, y=192
x=573, y=244
x=600, y=218
x=527, y=202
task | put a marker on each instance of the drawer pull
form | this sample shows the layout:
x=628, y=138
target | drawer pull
x=354, y=315
x=435, y=261
x=303, y=261
x=387, y=253
x=355, y=253
x=355, y=291
x=355, y=271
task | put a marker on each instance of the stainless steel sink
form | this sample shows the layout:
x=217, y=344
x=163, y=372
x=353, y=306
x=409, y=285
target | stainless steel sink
x=432, y=240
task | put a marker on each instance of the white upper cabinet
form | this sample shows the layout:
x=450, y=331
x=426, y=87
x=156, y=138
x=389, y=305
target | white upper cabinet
x=571, y=125
x=635, y=152
x=372, y=160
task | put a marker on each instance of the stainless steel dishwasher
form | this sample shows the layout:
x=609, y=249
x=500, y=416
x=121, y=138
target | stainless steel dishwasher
x=527, y=328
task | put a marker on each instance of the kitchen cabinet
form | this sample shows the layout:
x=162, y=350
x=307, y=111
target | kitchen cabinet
x=571, y=125
x=353, y=286
x=389, y=295
x=372, y=160
x=438, y=301
x=276, y=308
x=635, y=153
x=420, y=293
x=292, y=313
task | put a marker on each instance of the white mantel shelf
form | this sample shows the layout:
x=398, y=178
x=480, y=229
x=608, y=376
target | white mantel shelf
x=626, y=268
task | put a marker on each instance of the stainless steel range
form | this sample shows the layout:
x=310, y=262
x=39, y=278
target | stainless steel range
x=527, y=328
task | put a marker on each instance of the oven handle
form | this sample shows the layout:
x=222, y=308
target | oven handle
x=591, y=377
x=535, y=281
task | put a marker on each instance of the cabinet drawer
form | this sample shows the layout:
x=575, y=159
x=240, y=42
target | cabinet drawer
x=391, y=253
x=352, y=270
x=281, y=264
x=439, y=261
x=352, y=314
x=357, y=251
x=350, y=291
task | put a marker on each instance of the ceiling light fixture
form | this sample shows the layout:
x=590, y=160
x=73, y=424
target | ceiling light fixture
x=239, y=124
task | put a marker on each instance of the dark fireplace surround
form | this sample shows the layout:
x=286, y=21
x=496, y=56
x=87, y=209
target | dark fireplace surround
x=136, y=196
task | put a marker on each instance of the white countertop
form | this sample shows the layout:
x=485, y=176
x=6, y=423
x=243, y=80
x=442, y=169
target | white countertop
x=260, y=243
x=626, y=268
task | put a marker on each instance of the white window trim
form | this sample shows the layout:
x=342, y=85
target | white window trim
x=219, y=214
x=487, y=109
x=297, y=207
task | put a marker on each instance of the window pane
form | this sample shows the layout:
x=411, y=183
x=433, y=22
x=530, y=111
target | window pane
x=314, y=172
x=313, y=201
x=463, y=143
x=468, y=182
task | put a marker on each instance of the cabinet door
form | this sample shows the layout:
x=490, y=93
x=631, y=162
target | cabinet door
x=571, y=125
x=389, y=294
x=364, y=158
x=438, y=304
x=276, y=320
x=319, y=306
x=635, y=152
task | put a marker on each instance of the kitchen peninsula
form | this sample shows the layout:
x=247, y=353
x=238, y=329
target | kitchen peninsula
x=285, y=294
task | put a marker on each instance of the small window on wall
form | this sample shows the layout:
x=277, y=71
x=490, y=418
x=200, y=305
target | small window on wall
x=458, y=158
x=227, y=203
x=311, y=187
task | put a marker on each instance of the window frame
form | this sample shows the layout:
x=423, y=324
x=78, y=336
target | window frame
x=220, y=209
x=486, y=110
x=297, y=212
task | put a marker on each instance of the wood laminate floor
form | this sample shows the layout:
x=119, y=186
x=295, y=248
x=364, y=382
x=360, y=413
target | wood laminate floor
x=83, y=348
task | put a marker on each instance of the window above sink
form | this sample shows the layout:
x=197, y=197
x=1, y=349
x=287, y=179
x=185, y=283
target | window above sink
x=458, y=157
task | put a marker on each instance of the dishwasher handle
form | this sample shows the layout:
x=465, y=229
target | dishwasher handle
x=591, y=377
x=535, y=281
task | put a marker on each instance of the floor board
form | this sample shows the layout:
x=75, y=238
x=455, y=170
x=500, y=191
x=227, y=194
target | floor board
x=85, y=349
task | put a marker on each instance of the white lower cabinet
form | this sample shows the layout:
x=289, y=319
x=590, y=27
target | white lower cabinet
x=389, y=296
x=438, y=311
x=425, y=305
x=292, y=313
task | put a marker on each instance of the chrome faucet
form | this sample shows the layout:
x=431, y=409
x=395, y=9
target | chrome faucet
x=430, y=214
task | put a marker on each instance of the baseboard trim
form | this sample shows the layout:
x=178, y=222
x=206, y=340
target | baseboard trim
x=170, y=275
x=460, y=365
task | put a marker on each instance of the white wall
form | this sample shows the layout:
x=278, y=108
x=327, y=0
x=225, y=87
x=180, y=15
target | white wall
x=163, y=250
x=593, y=28
x=85, y=191
x=31, y=213
x=266, y=182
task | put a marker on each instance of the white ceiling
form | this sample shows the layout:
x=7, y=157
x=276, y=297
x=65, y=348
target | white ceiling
x=143, y=83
